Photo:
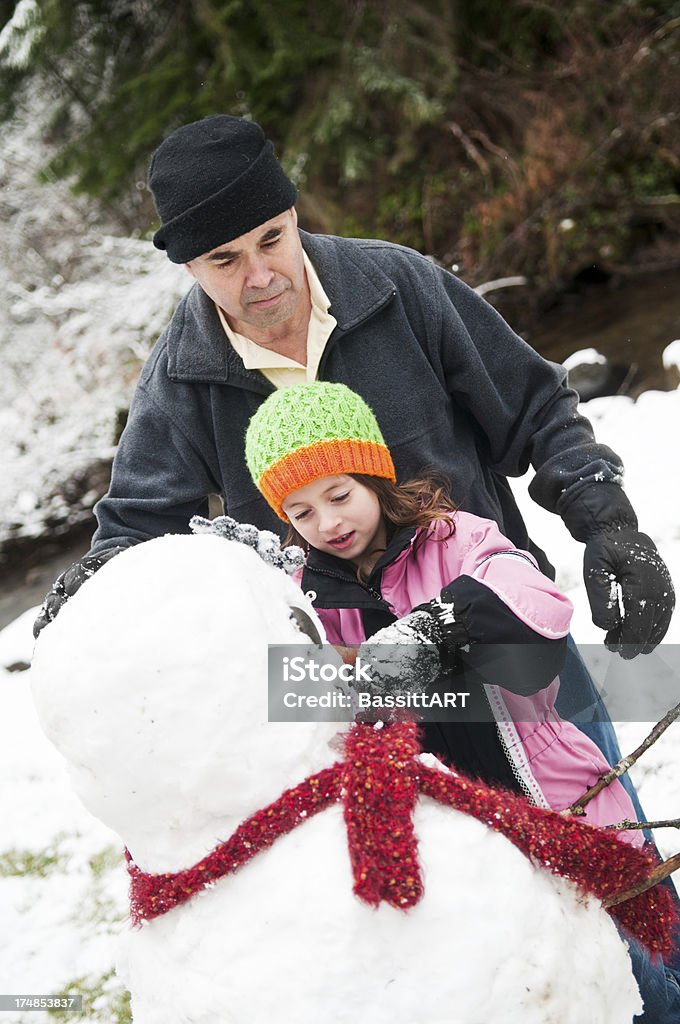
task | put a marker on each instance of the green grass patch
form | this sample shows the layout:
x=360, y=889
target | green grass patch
x=106, y=860
x=38, y=863
x=105, y=1001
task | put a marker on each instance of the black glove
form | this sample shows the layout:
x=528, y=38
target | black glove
x=68, y=583
x=447, y=627
x=480, y=635
x=629, y=588
x=402, y=657
x=628, y=585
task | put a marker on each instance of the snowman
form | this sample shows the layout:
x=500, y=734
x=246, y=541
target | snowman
x=152, y=682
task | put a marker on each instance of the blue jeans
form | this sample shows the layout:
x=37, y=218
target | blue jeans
x=659, y=987
x=579, y=701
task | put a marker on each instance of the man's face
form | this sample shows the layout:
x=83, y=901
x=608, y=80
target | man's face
x=258, y=279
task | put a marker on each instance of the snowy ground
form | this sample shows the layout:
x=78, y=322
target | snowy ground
x=62, y=884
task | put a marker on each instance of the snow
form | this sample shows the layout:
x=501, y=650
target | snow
x=16, y=641
x=584, y=355
x=167, y=740
x=18, y=35
x=79, y=311
x=671, y=354
x=62, y=885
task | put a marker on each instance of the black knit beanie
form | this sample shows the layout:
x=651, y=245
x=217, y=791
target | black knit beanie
x=212, y=181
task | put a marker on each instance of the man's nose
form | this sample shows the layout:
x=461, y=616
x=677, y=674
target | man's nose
x=258, y=274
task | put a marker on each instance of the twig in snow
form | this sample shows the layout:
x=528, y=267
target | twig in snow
x=625, y=763
x=626, y=382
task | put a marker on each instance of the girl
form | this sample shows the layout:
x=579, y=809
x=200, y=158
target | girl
x=399, y=564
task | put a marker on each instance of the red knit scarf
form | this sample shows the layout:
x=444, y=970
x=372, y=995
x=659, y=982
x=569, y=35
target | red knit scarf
x=378, y=784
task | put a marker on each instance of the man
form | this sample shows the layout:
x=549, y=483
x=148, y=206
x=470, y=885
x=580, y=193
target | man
x=451, y=385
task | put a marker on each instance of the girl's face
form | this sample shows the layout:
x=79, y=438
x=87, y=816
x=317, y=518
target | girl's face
x=338, y=514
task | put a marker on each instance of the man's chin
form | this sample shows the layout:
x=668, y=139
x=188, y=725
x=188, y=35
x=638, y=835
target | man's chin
x=270, y=316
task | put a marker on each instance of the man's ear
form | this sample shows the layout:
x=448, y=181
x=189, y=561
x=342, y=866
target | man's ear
x=188, y=267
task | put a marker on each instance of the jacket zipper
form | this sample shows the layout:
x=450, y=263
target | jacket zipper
x=345, y=579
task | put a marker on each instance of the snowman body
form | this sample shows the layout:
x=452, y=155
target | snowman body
x=153, y=684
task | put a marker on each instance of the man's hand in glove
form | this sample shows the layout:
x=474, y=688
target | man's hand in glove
x=403, y=657
x=68, y=583
x=629, y=588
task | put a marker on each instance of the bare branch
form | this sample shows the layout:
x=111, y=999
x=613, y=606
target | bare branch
x=657, y=875
x=500, y=282
x=498, y=151
x=625, y=763
x=628, y=824
x=469, y=147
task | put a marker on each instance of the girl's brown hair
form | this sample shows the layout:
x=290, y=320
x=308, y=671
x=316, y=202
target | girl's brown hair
x=420, y=502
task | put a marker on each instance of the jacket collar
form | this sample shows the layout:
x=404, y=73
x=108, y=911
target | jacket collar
x=352, y=280
x=197, y=348
x=336, y=586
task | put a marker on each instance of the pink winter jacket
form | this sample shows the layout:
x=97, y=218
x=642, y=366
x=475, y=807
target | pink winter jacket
x=552, y=759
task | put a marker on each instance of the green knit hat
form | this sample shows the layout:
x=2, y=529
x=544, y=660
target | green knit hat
x=309, y=431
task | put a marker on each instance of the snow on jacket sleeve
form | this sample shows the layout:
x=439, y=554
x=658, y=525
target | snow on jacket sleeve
x=513, y=618
x=528, y=415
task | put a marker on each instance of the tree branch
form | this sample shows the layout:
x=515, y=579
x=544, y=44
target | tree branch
x=628, y=824
x=625, y=763
x=657, y=875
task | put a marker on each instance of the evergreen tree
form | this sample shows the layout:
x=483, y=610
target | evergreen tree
x=477, y=130
x=119, y=75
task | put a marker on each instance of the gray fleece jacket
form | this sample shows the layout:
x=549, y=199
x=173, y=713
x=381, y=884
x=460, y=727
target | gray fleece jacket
x=451, y=384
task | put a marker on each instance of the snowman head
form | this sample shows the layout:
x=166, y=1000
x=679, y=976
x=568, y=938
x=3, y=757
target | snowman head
x=152, y=682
